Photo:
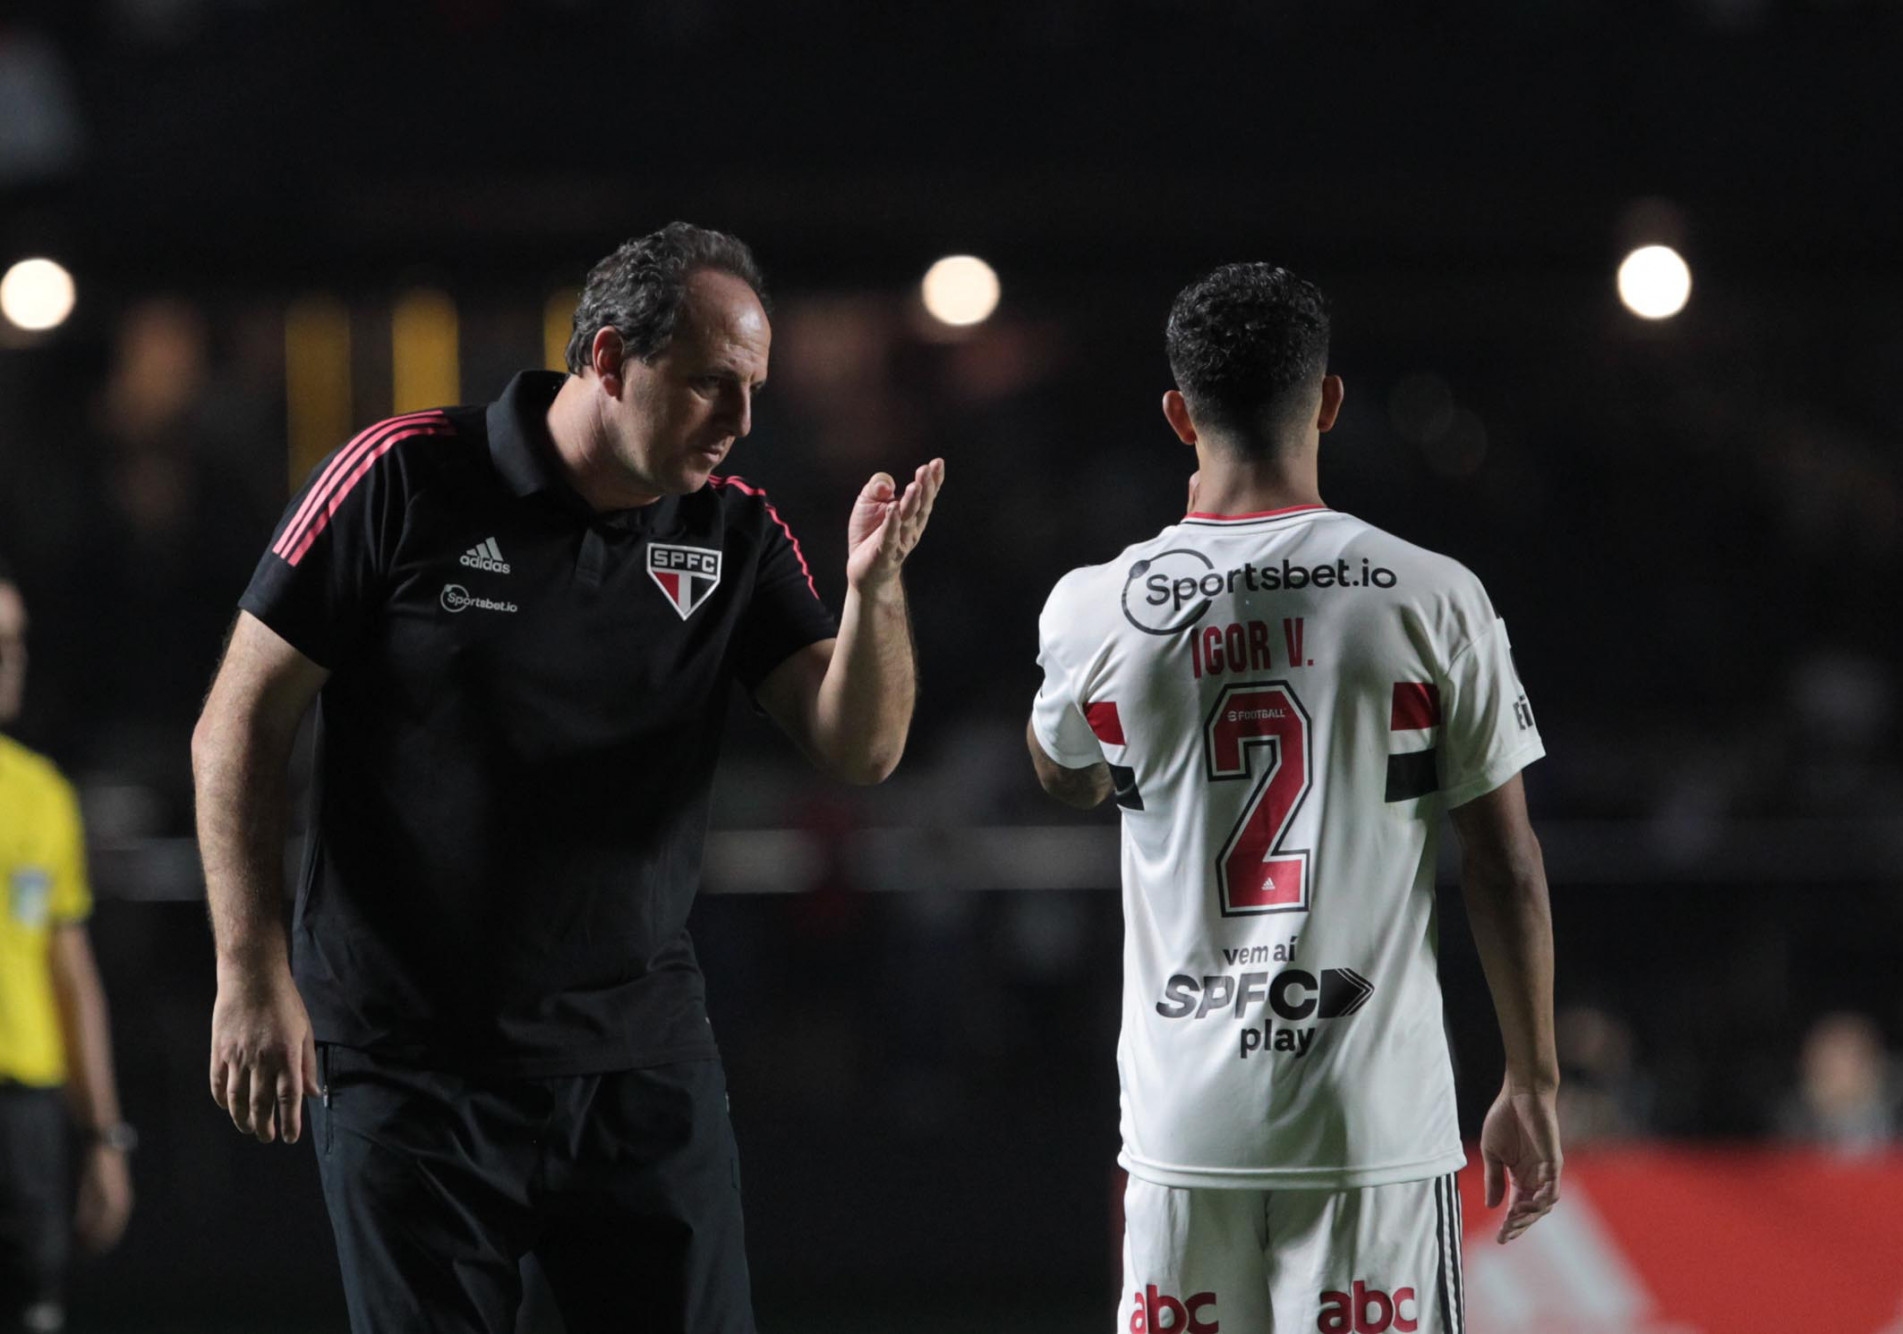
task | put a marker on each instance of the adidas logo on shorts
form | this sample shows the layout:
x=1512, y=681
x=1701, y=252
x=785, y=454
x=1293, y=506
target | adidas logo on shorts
x=486, y=555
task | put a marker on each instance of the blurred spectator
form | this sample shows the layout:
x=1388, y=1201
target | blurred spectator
x=1846, y=1095
x=39, y=114
x=169, y=537
x=1602, y=1094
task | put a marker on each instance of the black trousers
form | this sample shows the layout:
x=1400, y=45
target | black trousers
x=34, y=1213
x=625, y=1186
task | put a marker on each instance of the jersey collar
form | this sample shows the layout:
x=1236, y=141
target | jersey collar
x=519, y=442
x=523, y=452
x=1198, y=517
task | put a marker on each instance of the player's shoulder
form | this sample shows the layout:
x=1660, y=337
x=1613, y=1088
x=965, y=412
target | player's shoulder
x=739, y=508
x=411, y=445
x=420, y=433
x=1086, y=603
x=1084, y=582
x=1419, y=570
x=734, y=494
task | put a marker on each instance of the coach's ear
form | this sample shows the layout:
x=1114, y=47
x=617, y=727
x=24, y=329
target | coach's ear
x=1332, y=393
x=605, y=355
x=1176, y=411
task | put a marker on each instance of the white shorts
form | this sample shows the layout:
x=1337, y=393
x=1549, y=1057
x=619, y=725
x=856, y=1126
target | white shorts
x=1378, y=1260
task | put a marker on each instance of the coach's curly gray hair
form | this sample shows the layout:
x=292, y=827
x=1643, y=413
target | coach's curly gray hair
x=637, y=291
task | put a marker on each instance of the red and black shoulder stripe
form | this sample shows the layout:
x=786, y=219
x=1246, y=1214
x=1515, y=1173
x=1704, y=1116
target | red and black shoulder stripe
x=345, y=473
x=746, y=488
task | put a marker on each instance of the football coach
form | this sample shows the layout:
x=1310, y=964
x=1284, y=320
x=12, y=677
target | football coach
x=519, y=623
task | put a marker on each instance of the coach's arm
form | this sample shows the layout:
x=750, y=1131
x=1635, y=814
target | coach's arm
x=1503, y=880
x=263, y=1060
x=1082, y=788
x=847, y=702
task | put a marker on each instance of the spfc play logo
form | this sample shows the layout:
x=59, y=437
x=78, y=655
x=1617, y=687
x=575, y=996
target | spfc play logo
x=686, y=574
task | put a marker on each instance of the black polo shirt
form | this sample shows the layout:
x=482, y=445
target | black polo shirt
x=516, y=743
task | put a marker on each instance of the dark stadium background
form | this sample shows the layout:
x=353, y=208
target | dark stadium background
x=1693, y=527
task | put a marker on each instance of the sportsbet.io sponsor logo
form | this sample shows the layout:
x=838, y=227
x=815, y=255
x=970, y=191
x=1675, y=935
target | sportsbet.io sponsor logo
x=1171, y=590
x=457, y=598
x=1168, y=570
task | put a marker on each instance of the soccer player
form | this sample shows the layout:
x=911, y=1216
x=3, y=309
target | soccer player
x=55, y=1038
x=1284, y=700
x=521, y=624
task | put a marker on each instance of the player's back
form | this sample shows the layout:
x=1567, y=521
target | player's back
x=1288, y=702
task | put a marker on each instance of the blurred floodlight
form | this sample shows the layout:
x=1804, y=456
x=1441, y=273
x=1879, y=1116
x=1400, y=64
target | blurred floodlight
x=425, y=351
x=1654, y=282
x=960, y=290
x=36, y=294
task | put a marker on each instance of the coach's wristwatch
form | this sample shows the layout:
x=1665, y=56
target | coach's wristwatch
x=119, y=1135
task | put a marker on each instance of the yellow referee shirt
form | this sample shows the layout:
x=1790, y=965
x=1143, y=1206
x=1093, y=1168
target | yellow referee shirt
x=42, y=886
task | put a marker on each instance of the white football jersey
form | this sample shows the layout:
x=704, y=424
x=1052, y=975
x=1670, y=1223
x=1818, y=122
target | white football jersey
x=1287, y=701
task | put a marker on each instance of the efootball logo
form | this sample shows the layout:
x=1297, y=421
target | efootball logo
x=688, y=575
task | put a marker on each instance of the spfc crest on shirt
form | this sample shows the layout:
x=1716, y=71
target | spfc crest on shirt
x=688, y=575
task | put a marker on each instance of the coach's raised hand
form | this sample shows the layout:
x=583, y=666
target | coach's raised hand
x=886, y=525
x=847, y=702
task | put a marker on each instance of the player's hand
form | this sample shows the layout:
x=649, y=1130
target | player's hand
x=1519, y=1146
x=263, y=1060
x=886, y=525
x=105, y=1199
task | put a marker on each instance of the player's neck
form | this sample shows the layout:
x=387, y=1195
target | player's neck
x=1230, y=486
x=582, y=453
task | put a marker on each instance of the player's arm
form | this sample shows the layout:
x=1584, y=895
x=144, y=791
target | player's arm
x=1503, y=880
x=262, y=1056
x=105, y=1185
x=1082, y=788
x=847, y=702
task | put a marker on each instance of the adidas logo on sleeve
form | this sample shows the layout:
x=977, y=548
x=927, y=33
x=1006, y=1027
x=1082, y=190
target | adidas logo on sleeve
x=486, y=555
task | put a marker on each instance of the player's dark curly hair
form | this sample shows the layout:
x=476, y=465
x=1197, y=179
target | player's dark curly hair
x=638, y=290
x=1247, y=343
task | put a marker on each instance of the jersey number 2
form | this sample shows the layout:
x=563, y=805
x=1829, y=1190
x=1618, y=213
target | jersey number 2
x=1259, y=731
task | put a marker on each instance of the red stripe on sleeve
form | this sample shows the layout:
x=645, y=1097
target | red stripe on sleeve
x=340, y=467
x=1105, y=721
x=745, y=489
x=1416, y=705
x=321, y=520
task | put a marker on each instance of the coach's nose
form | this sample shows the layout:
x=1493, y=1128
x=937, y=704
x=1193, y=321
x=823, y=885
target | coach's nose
x=737, y=410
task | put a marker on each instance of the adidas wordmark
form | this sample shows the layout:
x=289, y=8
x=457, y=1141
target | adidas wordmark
x=486, y=555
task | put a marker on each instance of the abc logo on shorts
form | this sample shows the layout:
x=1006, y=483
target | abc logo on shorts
x=1369, y=1311
x=1159, y=1313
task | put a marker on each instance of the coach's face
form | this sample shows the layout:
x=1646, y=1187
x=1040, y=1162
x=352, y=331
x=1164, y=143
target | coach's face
x=679, y=415
x=12, y=652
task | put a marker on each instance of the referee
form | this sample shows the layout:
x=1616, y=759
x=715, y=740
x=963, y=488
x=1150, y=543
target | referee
x=55, y=1041
x=519, y=623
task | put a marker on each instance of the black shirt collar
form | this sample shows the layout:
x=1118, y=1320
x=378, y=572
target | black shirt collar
x=524, y=452
x=519, y=441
